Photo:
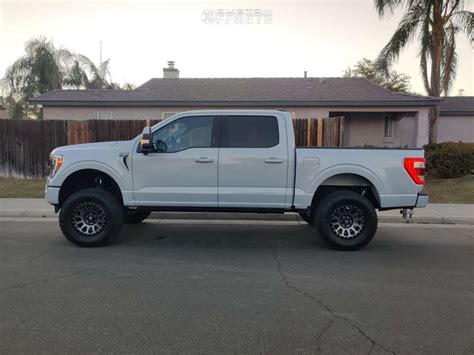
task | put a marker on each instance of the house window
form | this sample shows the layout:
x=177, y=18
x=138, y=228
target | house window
x=104, y=115
x=388, y=126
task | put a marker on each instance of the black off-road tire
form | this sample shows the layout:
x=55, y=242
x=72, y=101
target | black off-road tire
x=307, y=218
x=333, y=218
x=80, y=206
x=135, y=216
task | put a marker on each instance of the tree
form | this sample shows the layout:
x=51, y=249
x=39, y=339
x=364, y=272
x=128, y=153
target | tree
x=76, y=74
x=44, y=68
x=100, y=76
x=369, y=70
x=37, y=72
x=437, y=23
x=128, y=86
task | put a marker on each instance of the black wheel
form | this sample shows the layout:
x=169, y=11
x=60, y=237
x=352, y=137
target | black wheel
x=135, y=216
x=307, y=218
x=346, y=220
x=91, y=217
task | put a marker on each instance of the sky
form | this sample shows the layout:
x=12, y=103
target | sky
x=322, y=37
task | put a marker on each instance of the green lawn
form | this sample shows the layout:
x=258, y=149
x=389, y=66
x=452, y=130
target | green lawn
x=451, y=190
x=21, y=188
x=440, y=191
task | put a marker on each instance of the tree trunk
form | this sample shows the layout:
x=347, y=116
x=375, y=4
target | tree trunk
x=437, y=34
x=433, y=121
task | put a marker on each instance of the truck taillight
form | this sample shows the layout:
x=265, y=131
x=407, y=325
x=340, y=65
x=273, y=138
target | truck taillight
x=415, y=167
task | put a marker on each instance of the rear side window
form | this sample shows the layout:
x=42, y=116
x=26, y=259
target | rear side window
x=249, y=132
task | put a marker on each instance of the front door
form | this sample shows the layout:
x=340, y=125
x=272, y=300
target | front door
x=182, y=170
x=253, y=162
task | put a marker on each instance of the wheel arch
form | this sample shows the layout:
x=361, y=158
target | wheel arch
x=360, y=183
x=86, y=178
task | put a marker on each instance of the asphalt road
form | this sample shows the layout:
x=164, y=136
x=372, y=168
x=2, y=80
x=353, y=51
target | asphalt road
x=241, y=287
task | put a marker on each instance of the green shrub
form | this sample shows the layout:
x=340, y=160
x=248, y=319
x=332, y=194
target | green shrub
x=449, y=159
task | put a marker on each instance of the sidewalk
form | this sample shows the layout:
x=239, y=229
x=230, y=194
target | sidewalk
x=435, y=213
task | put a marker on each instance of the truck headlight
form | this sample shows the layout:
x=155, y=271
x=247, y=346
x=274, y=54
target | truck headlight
x=55, y=162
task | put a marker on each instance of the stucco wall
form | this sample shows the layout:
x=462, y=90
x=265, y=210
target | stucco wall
x=131, y=113
x=406, y=131
x=367, y=128
x=364, y=126
x=456, y=128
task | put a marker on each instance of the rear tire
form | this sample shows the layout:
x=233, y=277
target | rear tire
x=307, y=218
x=135, y=216
x=346, y=220
x=91, y=217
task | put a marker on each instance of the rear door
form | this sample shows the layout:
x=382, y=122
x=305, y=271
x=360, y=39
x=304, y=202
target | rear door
x=253, y=161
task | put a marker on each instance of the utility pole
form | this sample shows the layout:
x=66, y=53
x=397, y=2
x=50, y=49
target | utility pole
x=100, y=55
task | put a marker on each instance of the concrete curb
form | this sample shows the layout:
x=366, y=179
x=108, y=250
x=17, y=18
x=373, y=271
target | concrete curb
x=246, y=216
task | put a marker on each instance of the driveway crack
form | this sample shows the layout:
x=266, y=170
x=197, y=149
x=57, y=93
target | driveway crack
x=37, y=282
x=322, y=332
x=320, y=302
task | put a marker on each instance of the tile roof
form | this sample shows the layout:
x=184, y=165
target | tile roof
x=241, y=92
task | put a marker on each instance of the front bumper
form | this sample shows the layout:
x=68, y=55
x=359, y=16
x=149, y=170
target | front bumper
x=51, y=194
x=422, y=200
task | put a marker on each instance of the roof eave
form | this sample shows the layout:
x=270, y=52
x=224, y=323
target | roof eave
x=309, y=103
x=456, y=113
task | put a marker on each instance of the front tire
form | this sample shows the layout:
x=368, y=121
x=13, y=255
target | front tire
x=346, y=220
x=135, y=216
x=307, y=218
x=91, y=217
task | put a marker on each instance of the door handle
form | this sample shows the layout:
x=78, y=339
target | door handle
x=273, y=161
x=203, y=160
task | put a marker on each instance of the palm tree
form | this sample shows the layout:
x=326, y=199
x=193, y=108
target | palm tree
x=40, y=70
x=101, y=78
x=76, y=74
x=128, y=86
x=437, y=23
x=44, y=68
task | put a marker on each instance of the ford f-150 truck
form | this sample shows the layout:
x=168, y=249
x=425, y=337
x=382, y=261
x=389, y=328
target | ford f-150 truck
x=231, y=161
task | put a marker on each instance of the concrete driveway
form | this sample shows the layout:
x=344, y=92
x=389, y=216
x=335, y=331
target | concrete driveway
x=236, y=286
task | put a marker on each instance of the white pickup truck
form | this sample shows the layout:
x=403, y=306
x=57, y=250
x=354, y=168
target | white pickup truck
x=230, y=161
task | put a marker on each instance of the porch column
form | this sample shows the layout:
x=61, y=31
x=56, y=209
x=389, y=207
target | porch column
x=421, y=128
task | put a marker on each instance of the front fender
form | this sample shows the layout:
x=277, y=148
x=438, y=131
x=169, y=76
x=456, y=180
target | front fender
x=62, y=175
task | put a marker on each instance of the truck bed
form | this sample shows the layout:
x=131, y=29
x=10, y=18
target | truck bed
x=381, y=168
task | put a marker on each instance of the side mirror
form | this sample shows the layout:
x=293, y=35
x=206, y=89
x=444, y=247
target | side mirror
x=146, y=144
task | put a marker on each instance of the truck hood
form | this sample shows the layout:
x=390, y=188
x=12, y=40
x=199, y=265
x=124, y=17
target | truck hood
x=86, y=146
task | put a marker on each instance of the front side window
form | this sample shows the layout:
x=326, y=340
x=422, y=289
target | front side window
x=250, y=132
x=184, y=133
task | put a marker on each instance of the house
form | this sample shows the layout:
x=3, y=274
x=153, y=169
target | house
x=374, y=115
x=456, y=119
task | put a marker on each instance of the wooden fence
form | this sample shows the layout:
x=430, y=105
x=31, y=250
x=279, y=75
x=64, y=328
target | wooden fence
x=319, y=132
x=25, y=144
